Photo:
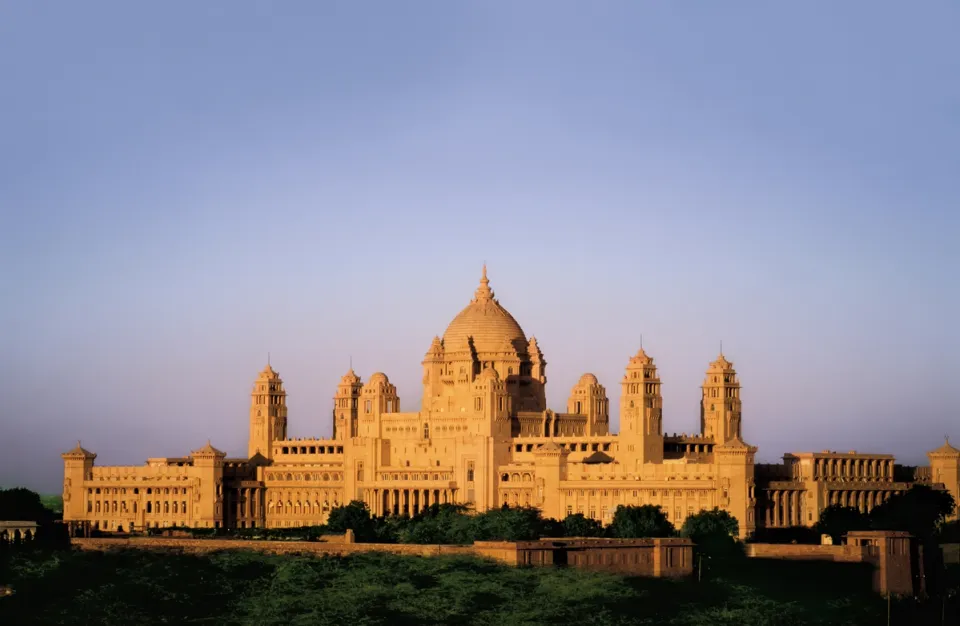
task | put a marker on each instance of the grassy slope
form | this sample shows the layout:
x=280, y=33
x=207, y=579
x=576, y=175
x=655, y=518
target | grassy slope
x=238, y=587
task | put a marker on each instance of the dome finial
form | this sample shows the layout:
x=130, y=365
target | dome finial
x=483, y=291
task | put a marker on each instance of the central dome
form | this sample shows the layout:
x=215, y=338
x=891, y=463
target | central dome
x=491, y=326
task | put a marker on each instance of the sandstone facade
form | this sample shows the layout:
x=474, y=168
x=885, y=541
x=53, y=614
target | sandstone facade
x=485, y=437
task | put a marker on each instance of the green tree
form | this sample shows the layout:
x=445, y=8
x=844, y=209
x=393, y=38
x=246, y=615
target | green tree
x=23, y=505
x=579, y=525
x=640, y=521
x=837, y=521
x=438, y=523
x=356, y=517
x=715, y=532
x=920, y=511
x=508, y=524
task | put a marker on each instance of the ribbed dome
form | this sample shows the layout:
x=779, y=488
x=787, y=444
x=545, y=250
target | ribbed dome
x=588, y=379
x=490, y=325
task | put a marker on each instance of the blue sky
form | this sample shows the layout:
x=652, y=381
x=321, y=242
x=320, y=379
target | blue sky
x=186, y=186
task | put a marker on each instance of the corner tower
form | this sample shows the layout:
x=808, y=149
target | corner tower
x=641, y=410
x=268, y=413
x=720, y=407
x=77, y=467
x=945, y=469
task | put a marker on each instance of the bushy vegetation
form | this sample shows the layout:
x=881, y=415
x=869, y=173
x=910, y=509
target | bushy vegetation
x=240, y=587
x=457, y=524
x=921, y=511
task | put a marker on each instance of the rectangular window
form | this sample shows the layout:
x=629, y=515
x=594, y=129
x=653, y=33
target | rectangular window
x=470, y=472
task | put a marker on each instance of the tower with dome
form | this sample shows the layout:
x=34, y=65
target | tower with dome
x=484, y=437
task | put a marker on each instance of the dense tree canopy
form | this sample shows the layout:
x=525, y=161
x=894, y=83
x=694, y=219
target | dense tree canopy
x=579, y=525
x=715, y=532
x=640, y=521
x=23, y=505
x=239, y=587
x=920, y=511
x=837, y=521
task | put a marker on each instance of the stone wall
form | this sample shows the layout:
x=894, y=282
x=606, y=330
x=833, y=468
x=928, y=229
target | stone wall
x=840, y=553
x=639, y=557
x=205, y=546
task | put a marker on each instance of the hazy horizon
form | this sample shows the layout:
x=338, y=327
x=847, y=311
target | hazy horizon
x=187, y=187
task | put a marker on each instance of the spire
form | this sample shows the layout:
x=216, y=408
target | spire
x=484, y=293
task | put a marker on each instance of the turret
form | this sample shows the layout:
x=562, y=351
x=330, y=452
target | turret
x=433, y=371
x=77, y=467
x=346, y=406
x=208, y=497
x=589, y=398
x=945, y=469
x=641, y=410
x=268, y=413
x=720, y=407
x=734, y=462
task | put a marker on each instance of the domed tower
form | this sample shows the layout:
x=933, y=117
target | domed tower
x=490, y=399
x=346, y=406
x=641, y=409
x=484, y=336
x=377, y=397
x=720, y=407
x=589, y=398
x=268, y=413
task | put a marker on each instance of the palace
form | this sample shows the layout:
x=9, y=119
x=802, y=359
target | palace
x=485, y=437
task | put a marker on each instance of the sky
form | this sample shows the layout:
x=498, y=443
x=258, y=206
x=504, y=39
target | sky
x=188, y=187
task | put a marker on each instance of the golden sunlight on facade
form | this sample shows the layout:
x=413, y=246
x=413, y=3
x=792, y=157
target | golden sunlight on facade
x=485, y=437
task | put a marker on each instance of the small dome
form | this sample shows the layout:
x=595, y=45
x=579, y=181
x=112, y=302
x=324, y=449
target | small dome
x=491, y=326
x=588, y=379
x=379, y=378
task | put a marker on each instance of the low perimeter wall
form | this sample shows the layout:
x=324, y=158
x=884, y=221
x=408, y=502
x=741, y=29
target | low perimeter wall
x=951, y=553
x=638, y=557
x=204, y=546
x=800, y=552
